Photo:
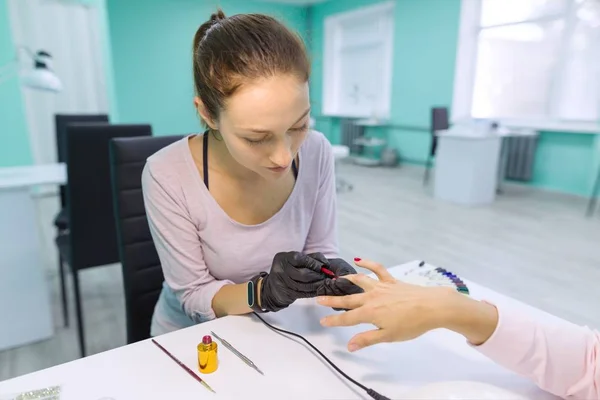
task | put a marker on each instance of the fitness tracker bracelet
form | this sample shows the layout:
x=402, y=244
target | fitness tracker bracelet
x=252, y=288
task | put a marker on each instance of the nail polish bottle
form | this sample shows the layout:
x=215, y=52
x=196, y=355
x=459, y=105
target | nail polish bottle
x=207, y=355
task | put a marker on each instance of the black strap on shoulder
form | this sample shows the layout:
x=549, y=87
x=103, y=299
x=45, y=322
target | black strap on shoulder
x=294, y=169
x=205, y=158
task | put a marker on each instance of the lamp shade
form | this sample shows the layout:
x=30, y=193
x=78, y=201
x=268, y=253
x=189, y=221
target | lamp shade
x=41, y=76
x=41, y=79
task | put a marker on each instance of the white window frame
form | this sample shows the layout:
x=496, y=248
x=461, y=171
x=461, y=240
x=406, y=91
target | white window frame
x=332, y=48
x=466, y=59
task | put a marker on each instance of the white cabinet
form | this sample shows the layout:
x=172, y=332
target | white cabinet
x=25, y=309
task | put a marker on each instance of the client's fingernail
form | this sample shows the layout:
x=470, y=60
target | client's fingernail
x=353, y=347
x=324, y=321
x=356, y=259
x=320, y=300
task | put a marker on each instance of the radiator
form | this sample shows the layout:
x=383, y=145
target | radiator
x=519, y=157
x=349, y=133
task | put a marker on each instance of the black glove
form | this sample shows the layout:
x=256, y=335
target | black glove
x=293, y=276
x=336, y=287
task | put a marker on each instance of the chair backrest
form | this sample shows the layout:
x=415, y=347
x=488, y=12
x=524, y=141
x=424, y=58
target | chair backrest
x=89, y=196
x=61, y=121
x=439, y=121
x=142, y=273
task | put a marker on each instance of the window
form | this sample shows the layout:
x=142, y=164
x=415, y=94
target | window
x=535, y=60
x=358, y=62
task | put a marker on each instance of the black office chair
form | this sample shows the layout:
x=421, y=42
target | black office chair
x=142, y=273
x=439, y=121
x=91, y=238
x=61, y=122
x=61, y=220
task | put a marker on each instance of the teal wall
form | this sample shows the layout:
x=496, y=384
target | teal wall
x=104, y=32
x=14, y=141
x=566, y=162
x=425, y=43
x=152, y=44
x=424, y=57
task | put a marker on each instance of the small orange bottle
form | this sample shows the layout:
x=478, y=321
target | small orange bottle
x=207, y=355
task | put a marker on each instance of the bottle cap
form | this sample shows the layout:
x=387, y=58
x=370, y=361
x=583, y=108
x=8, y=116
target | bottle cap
x=207, y=339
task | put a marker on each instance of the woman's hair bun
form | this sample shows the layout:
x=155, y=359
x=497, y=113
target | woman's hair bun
x=218, y=16
x=215, y=18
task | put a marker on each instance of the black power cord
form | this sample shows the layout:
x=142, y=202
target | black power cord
x=370, y=392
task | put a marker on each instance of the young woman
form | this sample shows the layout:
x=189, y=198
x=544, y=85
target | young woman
x=254, y=192
x=561, y=358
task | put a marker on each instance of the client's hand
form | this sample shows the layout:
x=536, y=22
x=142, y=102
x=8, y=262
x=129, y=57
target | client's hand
x=293, y=276
x=336, y=287
x=402, y=311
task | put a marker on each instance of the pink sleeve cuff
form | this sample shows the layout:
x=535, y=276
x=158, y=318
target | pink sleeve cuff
x=511, y=338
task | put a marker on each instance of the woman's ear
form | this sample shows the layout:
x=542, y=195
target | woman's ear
x=199, y=105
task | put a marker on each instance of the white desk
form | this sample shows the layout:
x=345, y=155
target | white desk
x=24, y=299
x=33, y=175
x=142, y=371
x=466, y=168
x=469, y=165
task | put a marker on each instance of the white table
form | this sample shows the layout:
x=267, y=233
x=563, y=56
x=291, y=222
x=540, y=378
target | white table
x=470, y=164
x=292, y=371
x=24, y=299
x=466, y=168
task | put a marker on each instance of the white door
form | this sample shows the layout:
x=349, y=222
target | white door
x=69, y=31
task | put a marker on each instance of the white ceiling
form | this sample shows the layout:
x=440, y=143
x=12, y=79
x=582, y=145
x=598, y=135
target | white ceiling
x=297, y=2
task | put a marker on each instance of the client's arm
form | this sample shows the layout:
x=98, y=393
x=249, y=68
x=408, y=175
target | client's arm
x=560, y=357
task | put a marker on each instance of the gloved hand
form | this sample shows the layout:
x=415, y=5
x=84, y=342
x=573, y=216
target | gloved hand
x=293, y=276
x=336, y=287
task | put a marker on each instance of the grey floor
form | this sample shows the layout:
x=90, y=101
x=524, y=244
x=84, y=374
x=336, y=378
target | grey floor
x=532, y=245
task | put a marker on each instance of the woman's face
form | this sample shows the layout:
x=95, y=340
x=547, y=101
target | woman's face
x=265, y=123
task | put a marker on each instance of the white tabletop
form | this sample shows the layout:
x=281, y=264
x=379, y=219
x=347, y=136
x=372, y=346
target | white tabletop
x=33, y=175
x=142, y=371
x=471, y=133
